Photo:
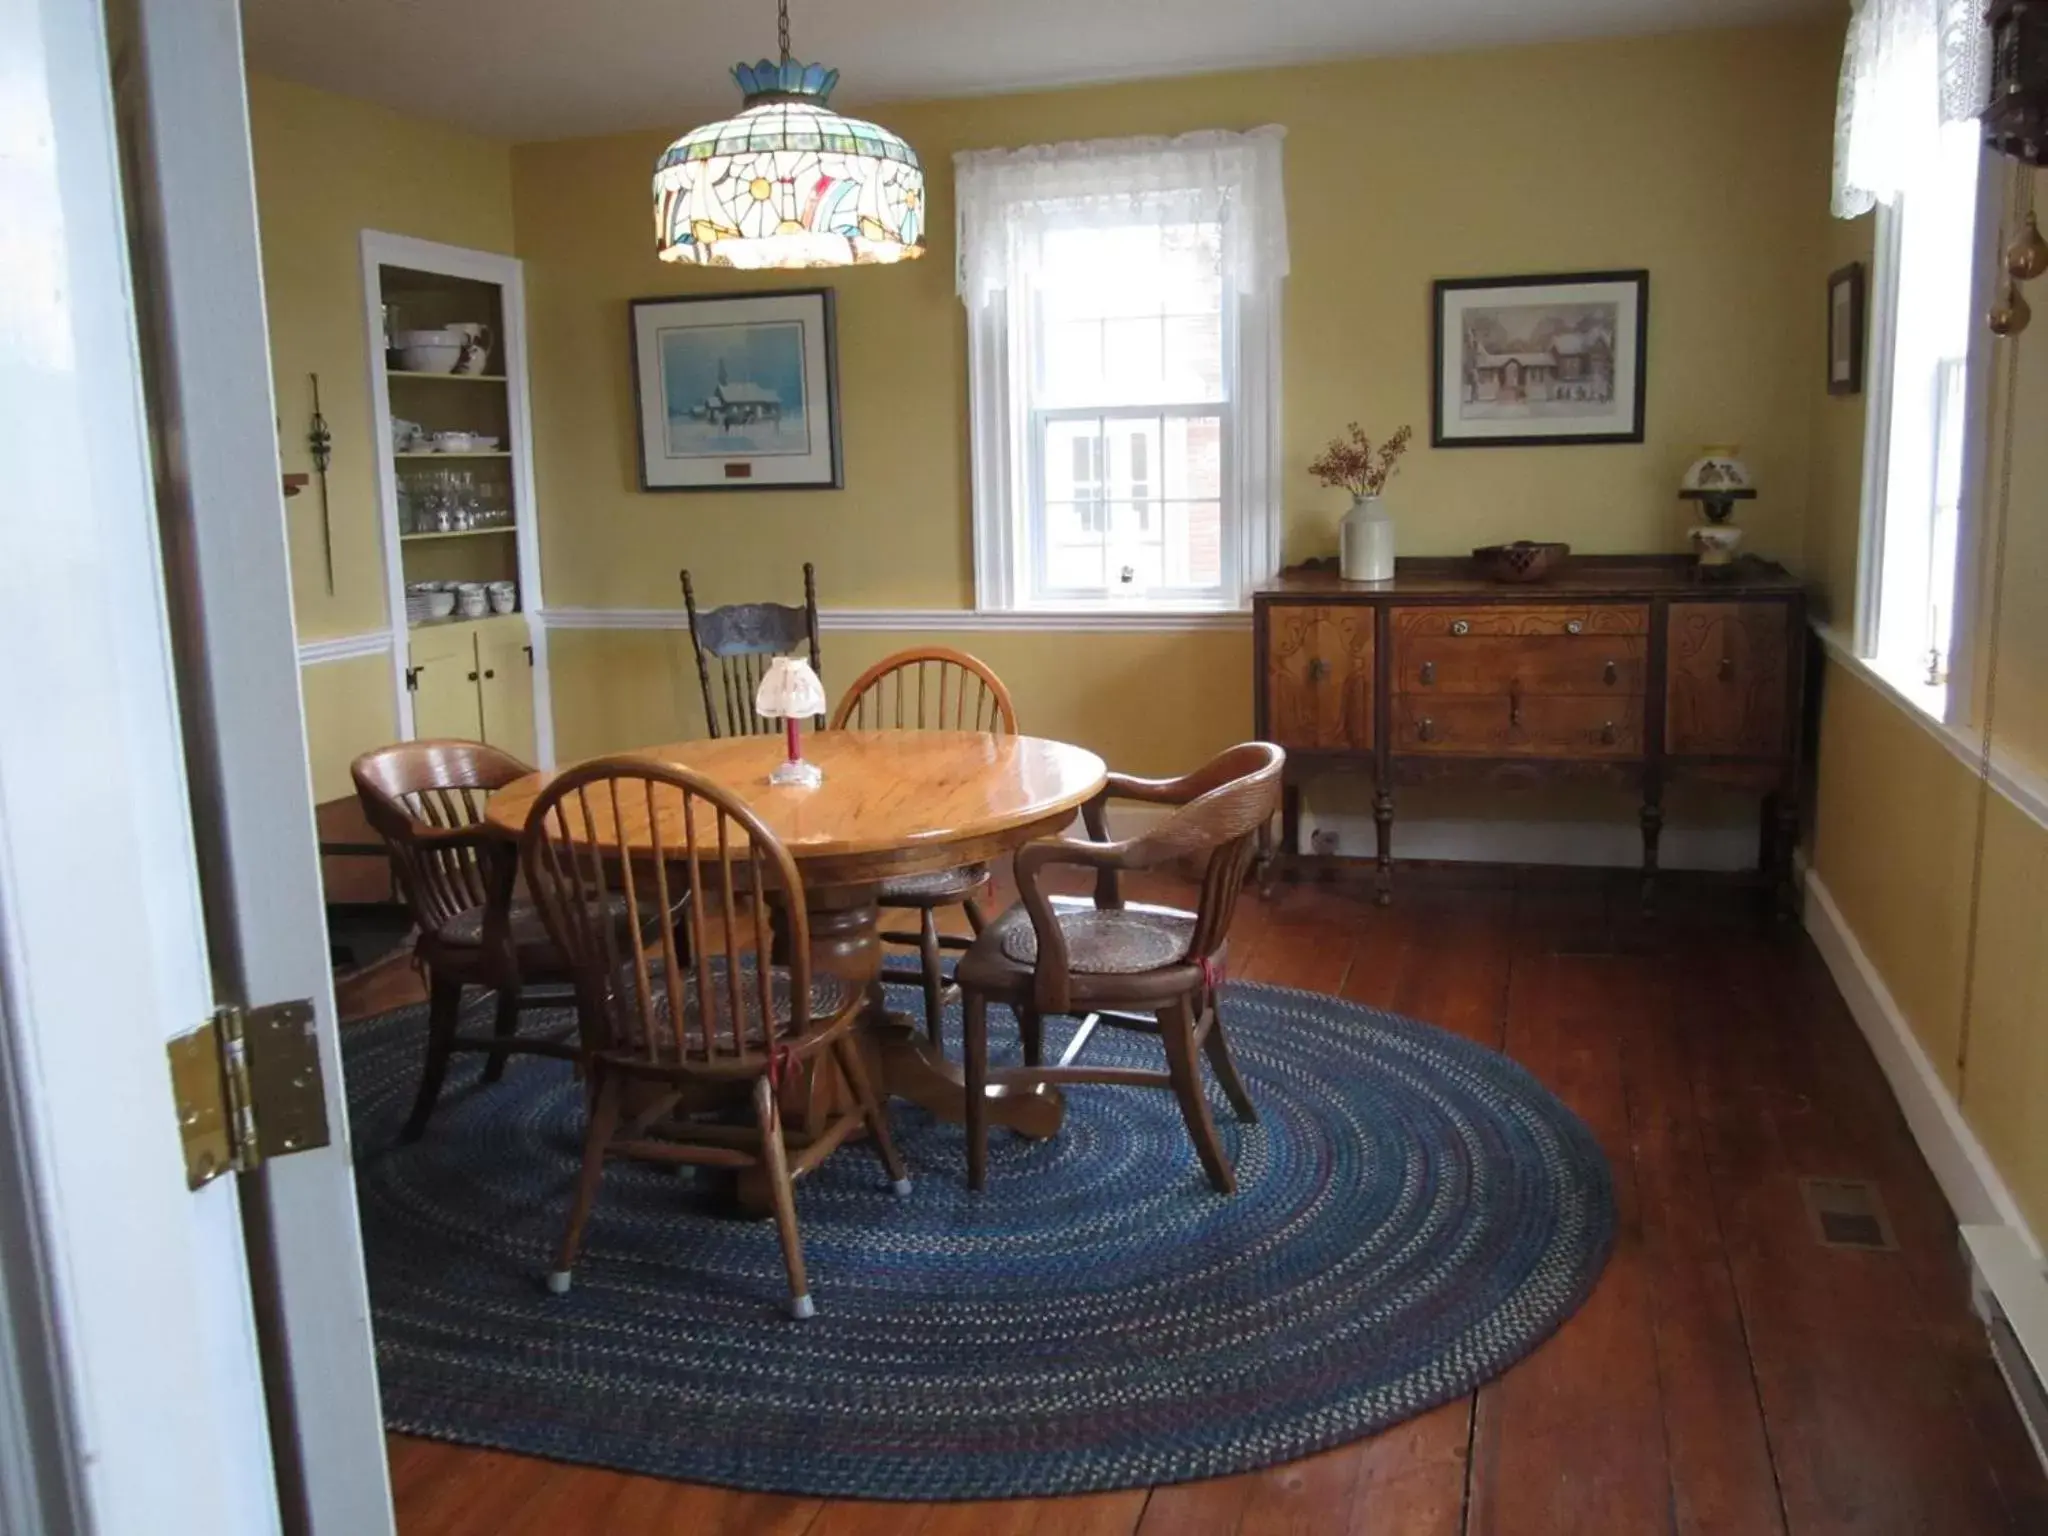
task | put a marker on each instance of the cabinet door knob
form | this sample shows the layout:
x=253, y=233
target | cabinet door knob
x=1426, y=729
x=1461, y=627
x=489, y=674
x=1429, y=674
x=1610, y=674
x=472, y=677
x=1607, y=734
x=1318, y=669
x=1574, y=627
x=1727, y=668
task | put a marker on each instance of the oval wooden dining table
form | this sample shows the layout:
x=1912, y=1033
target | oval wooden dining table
x=892, y=804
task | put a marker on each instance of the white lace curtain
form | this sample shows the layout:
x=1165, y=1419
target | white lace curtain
x=1910, y=66
x=1007, y=198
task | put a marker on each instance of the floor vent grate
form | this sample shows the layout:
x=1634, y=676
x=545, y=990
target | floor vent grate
x=1848, y=1213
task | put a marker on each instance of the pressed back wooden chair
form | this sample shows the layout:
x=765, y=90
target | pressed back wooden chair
x=930, y=688
x=667, y=1040
x=426, y=800
x=1147, y=968
x=734, y=646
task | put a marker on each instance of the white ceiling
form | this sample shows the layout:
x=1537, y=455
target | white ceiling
x=542, y=69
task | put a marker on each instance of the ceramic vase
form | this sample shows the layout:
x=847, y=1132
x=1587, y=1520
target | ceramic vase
x=1366, y=542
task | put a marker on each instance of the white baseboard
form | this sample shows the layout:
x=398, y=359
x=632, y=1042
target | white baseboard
x=1976, y=1190
x=1582, y=844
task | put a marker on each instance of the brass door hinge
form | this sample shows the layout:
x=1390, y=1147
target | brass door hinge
x=248, y=1087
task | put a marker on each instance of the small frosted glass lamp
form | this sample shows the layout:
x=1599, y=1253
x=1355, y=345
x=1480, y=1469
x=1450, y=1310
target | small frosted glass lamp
x=1717, y=480
x=790, y=691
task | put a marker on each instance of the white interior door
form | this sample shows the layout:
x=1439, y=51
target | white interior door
x=135, y=1391
x=135, y=893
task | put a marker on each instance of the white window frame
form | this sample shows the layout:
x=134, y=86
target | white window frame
x=1948, y=702
x=1003, y=428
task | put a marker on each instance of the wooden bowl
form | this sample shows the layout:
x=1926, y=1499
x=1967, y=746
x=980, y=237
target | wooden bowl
x=1522, y=561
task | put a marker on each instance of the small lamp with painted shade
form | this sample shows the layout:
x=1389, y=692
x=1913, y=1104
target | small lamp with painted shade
x=790, y=691
x=1717, y=480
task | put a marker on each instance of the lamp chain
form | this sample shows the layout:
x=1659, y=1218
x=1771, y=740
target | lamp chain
x=782, y=9
x=2019, y=204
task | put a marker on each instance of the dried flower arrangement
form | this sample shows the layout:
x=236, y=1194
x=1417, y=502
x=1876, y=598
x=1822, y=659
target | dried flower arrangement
x=1355, y=465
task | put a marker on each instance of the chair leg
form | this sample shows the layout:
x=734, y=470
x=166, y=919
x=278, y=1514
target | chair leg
x=974, y=1009
x=598, y=1130
x=775, y=1162
x=1177, y=1032
x=934, y=974
x=977, y=919
x=1217, y=1049
x=1031, y=1029
x=444, y=1013
x=505, y=1027
x=872, y=1111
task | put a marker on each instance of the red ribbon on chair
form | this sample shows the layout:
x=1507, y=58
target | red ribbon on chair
x=782, y=1067
x=1213, y=974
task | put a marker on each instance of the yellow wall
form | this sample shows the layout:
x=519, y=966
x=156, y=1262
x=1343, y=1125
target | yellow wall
x=1705, y=161
x=327, y=168
x=1896, y=818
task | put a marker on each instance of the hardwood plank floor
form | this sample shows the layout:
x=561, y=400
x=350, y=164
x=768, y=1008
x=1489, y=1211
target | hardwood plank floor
x=1728, y=1376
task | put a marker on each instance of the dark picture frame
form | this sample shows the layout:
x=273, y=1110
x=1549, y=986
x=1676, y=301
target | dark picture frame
x=737, y=391
x=1554, y=372
x=1847, y=329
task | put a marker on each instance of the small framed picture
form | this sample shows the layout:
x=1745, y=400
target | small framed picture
x=1845, y=330
x=1538, y=361
x=737, y=392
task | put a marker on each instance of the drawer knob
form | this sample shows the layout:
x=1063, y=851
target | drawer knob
x=1727, y=669
x=1461, y=627
x=1318, y=669
x=1610, y=674
x=1429, y=674
x=1426, y=729
x=1573, y=627
x=1607, y=734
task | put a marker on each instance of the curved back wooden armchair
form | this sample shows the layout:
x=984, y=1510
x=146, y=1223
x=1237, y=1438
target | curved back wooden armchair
x=670, y=1035
x=1135, y=967
x=426, y=800
x=736, y=643
x=930, y=688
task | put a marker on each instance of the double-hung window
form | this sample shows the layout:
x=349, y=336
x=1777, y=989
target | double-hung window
x=1910, y=147
x=1123, y=302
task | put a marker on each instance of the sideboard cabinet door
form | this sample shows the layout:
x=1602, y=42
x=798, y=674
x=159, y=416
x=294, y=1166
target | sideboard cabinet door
x=1319, y=663
x=1726, y=692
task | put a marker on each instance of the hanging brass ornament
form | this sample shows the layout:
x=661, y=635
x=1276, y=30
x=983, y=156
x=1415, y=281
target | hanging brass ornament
x=2013, y=315
x=2027, y=257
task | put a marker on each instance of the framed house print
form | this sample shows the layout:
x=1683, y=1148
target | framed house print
x=1845, y=330
x=737, y=392
x=1523, y=361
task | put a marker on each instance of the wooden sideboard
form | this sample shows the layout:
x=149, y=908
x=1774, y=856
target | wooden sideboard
x=1631, y=668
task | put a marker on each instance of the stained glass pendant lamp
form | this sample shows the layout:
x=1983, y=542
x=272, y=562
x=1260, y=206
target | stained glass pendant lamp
x=788, y=182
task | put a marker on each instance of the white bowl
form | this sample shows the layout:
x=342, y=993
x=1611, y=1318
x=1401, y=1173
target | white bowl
x=440, y=604
x=430, y=358
x=503, y=599
x=454, y=442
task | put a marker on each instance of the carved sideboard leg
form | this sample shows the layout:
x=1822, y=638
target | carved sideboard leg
x=1383, y=825
x=1786, y=844
x=1653, y=828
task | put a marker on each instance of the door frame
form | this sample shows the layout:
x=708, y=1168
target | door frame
x=508, y=274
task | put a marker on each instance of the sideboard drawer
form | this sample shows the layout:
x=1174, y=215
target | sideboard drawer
x=1575, y=619
x=1559, y=726
x=1319, y=676
x=1608, y=666
x=1727, y=694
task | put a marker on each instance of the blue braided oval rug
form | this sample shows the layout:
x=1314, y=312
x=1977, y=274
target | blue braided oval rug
x=1414, y=1214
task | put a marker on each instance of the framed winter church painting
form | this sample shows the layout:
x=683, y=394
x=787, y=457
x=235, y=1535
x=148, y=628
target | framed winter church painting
x=1522, y=361
x=737, y=392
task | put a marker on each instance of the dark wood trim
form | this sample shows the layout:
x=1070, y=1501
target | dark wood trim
x=1859, y=321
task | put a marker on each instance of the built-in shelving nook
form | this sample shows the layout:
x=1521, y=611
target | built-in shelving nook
x=446, y=330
